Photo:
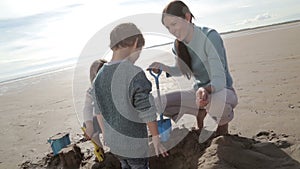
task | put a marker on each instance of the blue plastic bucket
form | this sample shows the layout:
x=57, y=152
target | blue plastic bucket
x=164, y=129
x=59, y=141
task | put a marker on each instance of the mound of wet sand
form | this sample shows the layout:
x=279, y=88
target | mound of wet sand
x=263, y=151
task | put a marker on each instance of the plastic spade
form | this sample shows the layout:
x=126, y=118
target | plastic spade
x=164, y=125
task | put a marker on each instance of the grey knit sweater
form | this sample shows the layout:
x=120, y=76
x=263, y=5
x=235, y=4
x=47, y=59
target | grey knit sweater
x=123, y=95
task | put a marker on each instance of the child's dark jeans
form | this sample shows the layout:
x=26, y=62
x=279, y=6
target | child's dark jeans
x=134, y=163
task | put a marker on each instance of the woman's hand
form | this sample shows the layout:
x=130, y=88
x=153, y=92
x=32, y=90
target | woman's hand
x=156, y=66
x=202, y=97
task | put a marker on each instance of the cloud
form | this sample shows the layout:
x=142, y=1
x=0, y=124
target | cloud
x=257, y=18
x=18, y=32
x=244, y=6
x=262, y=17
x=245, y=22
x=135, y=2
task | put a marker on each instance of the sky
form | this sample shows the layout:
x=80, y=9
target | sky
x=39, y=32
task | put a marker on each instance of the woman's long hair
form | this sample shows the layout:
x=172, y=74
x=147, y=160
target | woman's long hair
x=179, y=9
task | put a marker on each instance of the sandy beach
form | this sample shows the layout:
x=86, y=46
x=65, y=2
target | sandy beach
x=264, y=64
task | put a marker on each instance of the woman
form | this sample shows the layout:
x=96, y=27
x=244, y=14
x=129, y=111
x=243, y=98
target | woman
x=200, y=54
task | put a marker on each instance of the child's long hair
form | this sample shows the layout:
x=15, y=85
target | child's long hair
x=179, y=9
x=95, y=67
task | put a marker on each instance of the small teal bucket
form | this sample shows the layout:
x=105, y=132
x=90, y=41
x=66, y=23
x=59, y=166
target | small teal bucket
x=164, y=129
x=59, y=141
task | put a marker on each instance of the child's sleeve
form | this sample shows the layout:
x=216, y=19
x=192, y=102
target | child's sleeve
x=95, y=104
x=141, y=97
